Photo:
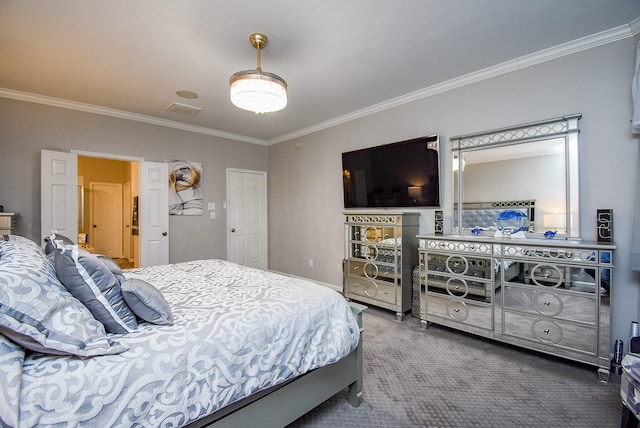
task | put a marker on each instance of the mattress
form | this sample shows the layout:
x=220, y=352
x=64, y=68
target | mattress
x=236, y=331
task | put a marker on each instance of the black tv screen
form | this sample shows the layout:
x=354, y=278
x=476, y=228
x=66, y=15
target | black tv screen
x=403, y=174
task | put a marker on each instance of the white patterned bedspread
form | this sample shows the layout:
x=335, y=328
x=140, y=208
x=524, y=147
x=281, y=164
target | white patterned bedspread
x=237, y=330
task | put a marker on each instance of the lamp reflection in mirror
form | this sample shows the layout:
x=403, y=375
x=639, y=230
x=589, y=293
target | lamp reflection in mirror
x=555, y=222
x=415, y=193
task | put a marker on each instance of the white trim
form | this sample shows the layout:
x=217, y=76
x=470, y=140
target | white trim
x=549, y=54
x=324, y=284
x=105, y=111
x=584, y=43
x=106, y=156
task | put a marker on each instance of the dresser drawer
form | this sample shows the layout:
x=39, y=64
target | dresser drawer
x=550, y=331
x=371, y=270
x=459, y=264
x=463, y=311
x=551, y=303
x=458, y=286
x=371, y=289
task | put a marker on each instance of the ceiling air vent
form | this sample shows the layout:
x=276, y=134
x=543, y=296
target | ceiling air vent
x=183, y=108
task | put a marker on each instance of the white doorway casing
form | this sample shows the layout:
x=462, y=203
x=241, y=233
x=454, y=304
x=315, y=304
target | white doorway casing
x=247, y=217
x=59, y=201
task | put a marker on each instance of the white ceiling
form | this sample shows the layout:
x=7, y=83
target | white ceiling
x=341, y=59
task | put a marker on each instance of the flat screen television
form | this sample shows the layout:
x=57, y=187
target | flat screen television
x=402, y=174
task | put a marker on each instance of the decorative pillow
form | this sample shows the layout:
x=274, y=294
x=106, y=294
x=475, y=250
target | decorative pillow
x=11, y=360
x=91, y=282
x=146, y=301
x=109, y=263
x=37, y=312
x=50, y=242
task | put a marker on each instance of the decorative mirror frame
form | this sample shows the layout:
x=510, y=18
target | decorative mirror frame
x=565, y=127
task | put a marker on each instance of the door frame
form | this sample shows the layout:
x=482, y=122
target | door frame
x=227, y=207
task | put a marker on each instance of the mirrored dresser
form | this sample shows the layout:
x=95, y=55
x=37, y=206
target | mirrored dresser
x=380, y=255
x=549, y=295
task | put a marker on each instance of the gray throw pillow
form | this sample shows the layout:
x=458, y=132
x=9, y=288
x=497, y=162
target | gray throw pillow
x=37, y=311
x=146, y=301
x=50, y=242
x=91, y=282
x=109, y=263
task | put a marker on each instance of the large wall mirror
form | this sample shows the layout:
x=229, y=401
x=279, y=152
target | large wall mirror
x=531, y=168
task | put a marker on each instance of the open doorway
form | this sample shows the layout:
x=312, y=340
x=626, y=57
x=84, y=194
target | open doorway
x=108, y=191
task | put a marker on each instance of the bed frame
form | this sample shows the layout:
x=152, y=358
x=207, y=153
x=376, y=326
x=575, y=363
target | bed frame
x=283, y=404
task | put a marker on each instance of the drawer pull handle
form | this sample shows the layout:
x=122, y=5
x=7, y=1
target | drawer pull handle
x=356, y=285
x=546, y=331
x=356, y=268
x=547, y=303
x=386, y=292
x=456, y=310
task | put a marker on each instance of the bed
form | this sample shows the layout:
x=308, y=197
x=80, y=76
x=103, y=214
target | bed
x=197, y=343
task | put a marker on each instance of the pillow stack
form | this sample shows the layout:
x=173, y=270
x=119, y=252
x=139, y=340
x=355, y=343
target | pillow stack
x=114, y=298
x=66, y=301
x=39, y=313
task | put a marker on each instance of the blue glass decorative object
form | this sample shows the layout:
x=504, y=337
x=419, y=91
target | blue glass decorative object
x=549, y=234
x=512, y=221
x=477, y=230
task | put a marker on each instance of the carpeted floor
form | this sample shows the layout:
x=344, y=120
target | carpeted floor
x=444, y=378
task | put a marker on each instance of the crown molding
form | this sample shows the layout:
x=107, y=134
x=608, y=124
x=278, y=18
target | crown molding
x=634, y=26
x=585, y=43
x=569, y=48
x=105, y=111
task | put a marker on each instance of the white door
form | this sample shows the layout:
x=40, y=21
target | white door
x=58, y=194
x=247, y=218
x=105, y=215
x=154, y=213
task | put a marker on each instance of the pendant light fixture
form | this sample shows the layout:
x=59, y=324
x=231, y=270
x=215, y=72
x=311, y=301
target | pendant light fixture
x=257, y=90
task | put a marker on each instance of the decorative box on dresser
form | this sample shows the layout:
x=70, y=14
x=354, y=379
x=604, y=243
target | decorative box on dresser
x=547, y=295
x=8, y=223
x=380, y=255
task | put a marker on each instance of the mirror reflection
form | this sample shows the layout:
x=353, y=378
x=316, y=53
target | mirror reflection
x=524, y=172
x=525, y=175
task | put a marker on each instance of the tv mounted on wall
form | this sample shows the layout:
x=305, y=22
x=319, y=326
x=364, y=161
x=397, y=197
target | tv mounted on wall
x=402, y=174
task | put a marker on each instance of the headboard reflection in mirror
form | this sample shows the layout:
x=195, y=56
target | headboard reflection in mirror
x=531, y=169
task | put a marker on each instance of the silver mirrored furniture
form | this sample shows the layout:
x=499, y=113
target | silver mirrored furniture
x=380, y=255
x=548, y=295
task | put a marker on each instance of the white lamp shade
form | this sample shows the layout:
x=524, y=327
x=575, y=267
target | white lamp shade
x=258, y=91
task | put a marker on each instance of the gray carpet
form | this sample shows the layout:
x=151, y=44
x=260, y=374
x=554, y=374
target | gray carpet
x=444, y=378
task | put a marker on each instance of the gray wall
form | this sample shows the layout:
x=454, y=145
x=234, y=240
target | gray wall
x=305, y=194
x=26, y=128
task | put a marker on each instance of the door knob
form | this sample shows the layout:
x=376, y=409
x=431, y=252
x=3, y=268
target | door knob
x=164, y=233
x=233, y=230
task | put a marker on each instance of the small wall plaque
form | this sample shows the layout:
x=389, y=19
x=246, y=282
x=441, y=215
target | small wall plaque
x=604, y=223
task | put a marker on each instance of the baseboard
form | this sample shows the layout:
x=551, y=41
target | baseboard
x=326, y=284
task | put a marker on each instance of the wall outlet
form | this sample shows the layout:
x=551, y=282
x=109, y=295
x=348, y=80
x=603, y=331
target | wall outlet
x=339, y=268
x=310, y=262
